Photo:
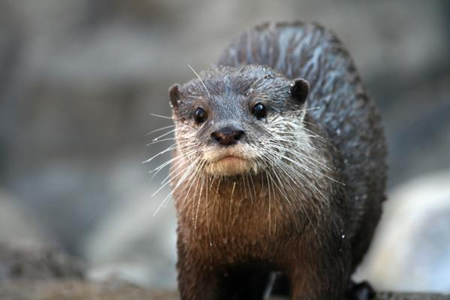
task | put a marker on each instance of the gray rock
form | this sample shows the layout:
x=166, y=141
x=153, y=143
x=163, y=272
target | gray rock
x=134, y=244
x=116, y=290
x=17, y=225
x=32, y=262
x=411, y=247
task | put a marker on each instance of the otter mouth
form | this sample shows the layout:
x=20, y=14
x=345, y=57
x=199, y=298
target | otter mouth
x=228, y=164
x=229, y=159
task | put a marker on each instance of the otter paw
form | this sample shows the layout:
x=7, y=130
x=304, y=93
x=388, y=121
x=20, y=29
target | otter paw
x=360, y=291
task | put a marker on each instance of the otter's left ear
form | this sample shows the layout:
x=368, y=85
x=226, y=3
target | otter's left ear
x=300, y=90
x=175, y=96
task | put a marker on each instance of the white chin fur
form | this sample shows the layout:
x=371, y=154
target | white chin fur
x=229, y=166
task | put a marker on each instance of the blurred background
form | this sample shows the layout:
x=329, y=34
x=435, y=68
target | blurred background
x=80, y=79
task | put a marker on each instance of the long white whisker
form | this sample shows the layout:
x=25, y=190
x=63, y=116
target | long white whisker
x=161, y=116
x=170, y=148
x=201, y=80
x=163, y=135
x=160, y=141
x=159, y=129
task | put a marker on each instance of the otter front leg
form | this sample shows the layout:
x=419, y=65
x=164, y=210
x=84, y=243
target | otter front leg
x=193, y=283
x=220, y=284
x=196, y=279
x=320, y=274
x=318, y=284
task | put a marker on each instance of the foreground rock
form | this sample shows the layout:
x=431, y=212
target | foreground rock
x=77, y=290
x=36, y=262
x=45, y=273
x=17, y=225
x=410, y=248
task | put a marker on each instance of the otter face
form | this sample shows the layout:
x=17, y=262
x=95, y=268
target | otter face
x=226, y=119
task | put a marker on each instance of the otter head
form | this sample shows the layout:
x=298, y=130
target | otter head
x=234, y=121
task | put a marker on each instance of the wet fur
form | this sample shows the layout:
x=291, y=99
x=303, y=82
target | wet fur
x=311, y=201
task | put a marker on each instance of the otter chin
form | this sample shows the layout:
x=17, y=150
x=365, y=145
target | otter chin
x=229, y=166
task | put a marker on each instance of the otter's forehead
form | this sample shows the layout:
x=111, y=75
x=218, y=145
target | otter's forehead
x=237, y=81
x=225, y=91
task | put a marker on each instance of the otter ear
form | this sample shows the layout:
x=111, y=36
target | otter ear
x=300, y=90
x=175, y=96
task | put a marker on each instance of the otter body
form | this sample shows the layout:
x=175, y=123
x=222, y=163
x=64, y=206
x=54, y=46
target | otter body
x=279, y=168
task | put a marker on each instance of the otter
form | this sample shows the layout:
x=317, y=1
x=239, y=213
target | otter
x=279, y=168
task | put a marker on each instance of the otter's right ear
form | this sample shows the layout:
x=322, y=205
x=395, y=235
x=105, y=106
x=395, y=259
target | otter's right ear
x=175, y=96
x=300, y=90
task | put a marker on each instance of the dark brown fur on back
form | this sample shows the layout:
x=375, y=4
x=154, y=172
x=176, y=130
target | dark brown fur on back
x=310, y=208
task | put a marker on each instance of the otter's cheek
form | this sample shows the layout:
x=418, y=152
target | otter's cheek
x=229, y=166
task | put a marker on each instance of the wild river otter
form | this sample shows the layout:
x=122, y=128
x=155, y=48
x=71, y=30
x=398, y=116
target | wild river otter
x=279, y=168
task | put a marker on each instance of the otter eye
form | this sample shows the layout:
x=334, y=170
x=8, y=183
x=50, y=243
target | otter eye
x=259, y=111
x=200, y=115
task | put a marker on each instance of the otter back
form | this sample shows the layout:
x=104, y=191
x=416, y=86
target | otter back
x=344, y=109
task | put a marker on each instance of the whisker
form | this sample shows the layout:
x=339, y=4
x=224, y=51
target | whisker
x=180, y=156
x=186, y=174
x=199, y=202
x=160, y=141
x=159, y=129
x=163, y=135
x=170, y=148
x=161, y=116
x=201, y=80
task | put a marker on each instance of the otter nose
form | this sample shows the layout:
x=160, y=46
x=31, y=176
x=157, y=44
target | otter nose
x=227, y=135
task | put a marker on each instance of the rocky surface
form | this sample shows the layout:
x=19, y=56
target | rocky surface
x=83, y=290
x=46, y=273
x=17, y=225
x=79, y=290
x=31, y=262
x=119, y=246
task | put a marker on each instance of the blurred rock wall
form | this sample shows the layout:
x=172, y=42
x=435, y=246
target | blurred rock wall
x=79, y=79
